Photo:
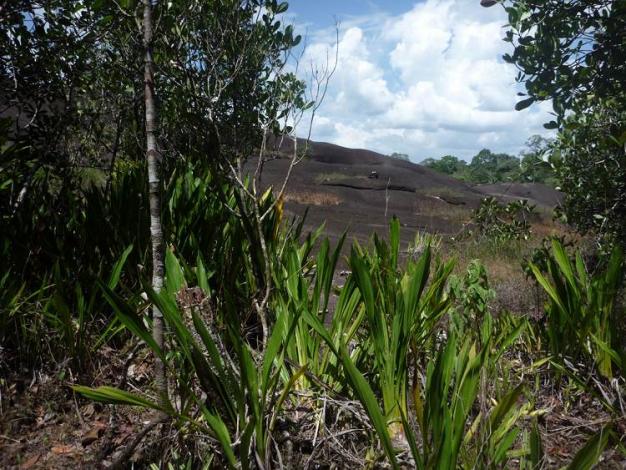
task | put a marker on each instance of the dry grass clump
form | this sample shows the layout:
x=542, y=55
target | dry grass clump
x=503, y=261
x=313, y=198
x=332, y=177
x=514, y=291
x=442, y=192
x=314, y=431
x=434, y=207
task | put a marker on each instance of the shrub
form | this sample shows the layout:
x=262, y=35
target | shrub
x=502, y=223
x=581, y=313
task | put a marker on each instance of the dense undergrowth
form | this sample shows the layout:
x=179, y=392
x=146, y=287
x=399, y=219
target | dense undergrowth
x=280, y=350
x=432, y=376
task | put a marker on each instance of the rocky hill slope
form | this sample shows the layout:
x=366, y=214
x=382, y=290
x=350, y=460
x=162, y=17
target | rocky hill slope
x=360, y=190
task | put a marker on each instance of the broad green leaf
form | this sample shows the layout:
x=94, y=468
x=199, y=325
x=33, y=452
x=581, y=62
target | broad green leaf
x=504, y=406
x=410, y=436
x=563, y=262
x=367, y=398
x=536, y=448
x=504, y=445
x=174, y=278
x=130, y=319
x=202, y=276
x=117, y=268
x=116, y=396
x=588, y=456
x=547, y=287
x=524, y=104
x=221, y=433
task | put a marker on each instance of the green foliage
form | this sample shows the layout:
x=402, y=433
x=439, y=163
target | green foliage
x=451, y=435
x=72, y=109
x=448, y=164
x=67, y=303
x=73, y=180
x=385, y=321
x=224, y=108
x=495, y=430
x=567, y=51
x=472, y=294
x=502, y=223
x=421, y=359
x=487, y=167
x=590, y=159
x=246, y=390
x=305, y=289
x=452, y=388
x=443, y=411
x=589, y=454
x=581, y=312
x=535, y=166
x=572, y=53
x=401, y=311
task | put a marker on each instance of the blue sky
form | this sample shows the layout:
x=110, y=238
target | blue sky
x=321, y=12
x=423, y=78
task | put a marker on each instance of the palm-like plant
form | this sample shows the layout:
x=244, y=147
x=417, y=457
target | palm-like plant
x=402, y=310
x=305, y=290
x=224, y=388
x=581, y=317
x=452, y=434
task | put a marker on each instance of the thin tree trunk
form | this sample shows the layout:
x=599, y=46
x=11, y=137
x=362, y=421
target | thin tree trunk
x=152, y=157
x=116, y=145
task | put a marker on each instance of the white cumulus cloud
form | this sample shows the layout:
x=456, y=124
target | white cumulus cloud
x=427, y=83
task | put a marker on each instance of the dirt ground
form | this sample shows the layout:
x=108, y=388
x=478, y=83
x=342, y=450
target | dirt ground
x=43, y=425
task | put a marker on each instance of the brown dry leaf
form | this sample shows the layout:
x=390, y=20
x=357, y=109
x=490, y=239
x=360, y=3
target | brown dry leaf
x=93, y=435
x=30, y=463
x=88, y=411
x=63, y=449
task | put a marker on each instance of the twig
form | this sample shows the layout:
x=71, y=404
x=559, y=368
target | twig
x=319, y=420
x=334, y=438
x=128, y=450
x=9, y=438
x=80, y=417
x=129, y=360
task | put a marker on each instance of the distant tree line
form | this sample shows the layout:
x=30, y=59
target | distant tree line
x=488, y=167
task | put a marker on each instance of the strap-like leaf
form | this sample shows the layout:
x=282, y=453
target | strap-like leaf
x=116, y=396
x=174, y=278
x=588, y=456
x=117, y=268
x=130, y=319
x=504, y=406
x=367, y=398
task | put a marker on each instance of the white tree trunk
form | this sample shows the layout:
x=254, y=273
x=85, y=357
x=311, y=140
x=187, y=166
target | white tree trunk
x=152, y=157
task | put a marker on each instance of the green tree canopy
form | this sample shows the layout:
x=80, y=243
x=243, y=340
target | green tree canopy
x=489, y=167
x=535, y=167
x=591, y=167
x=568, y=51
x=448, y=164
x=574, y=54
x=72, y=96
